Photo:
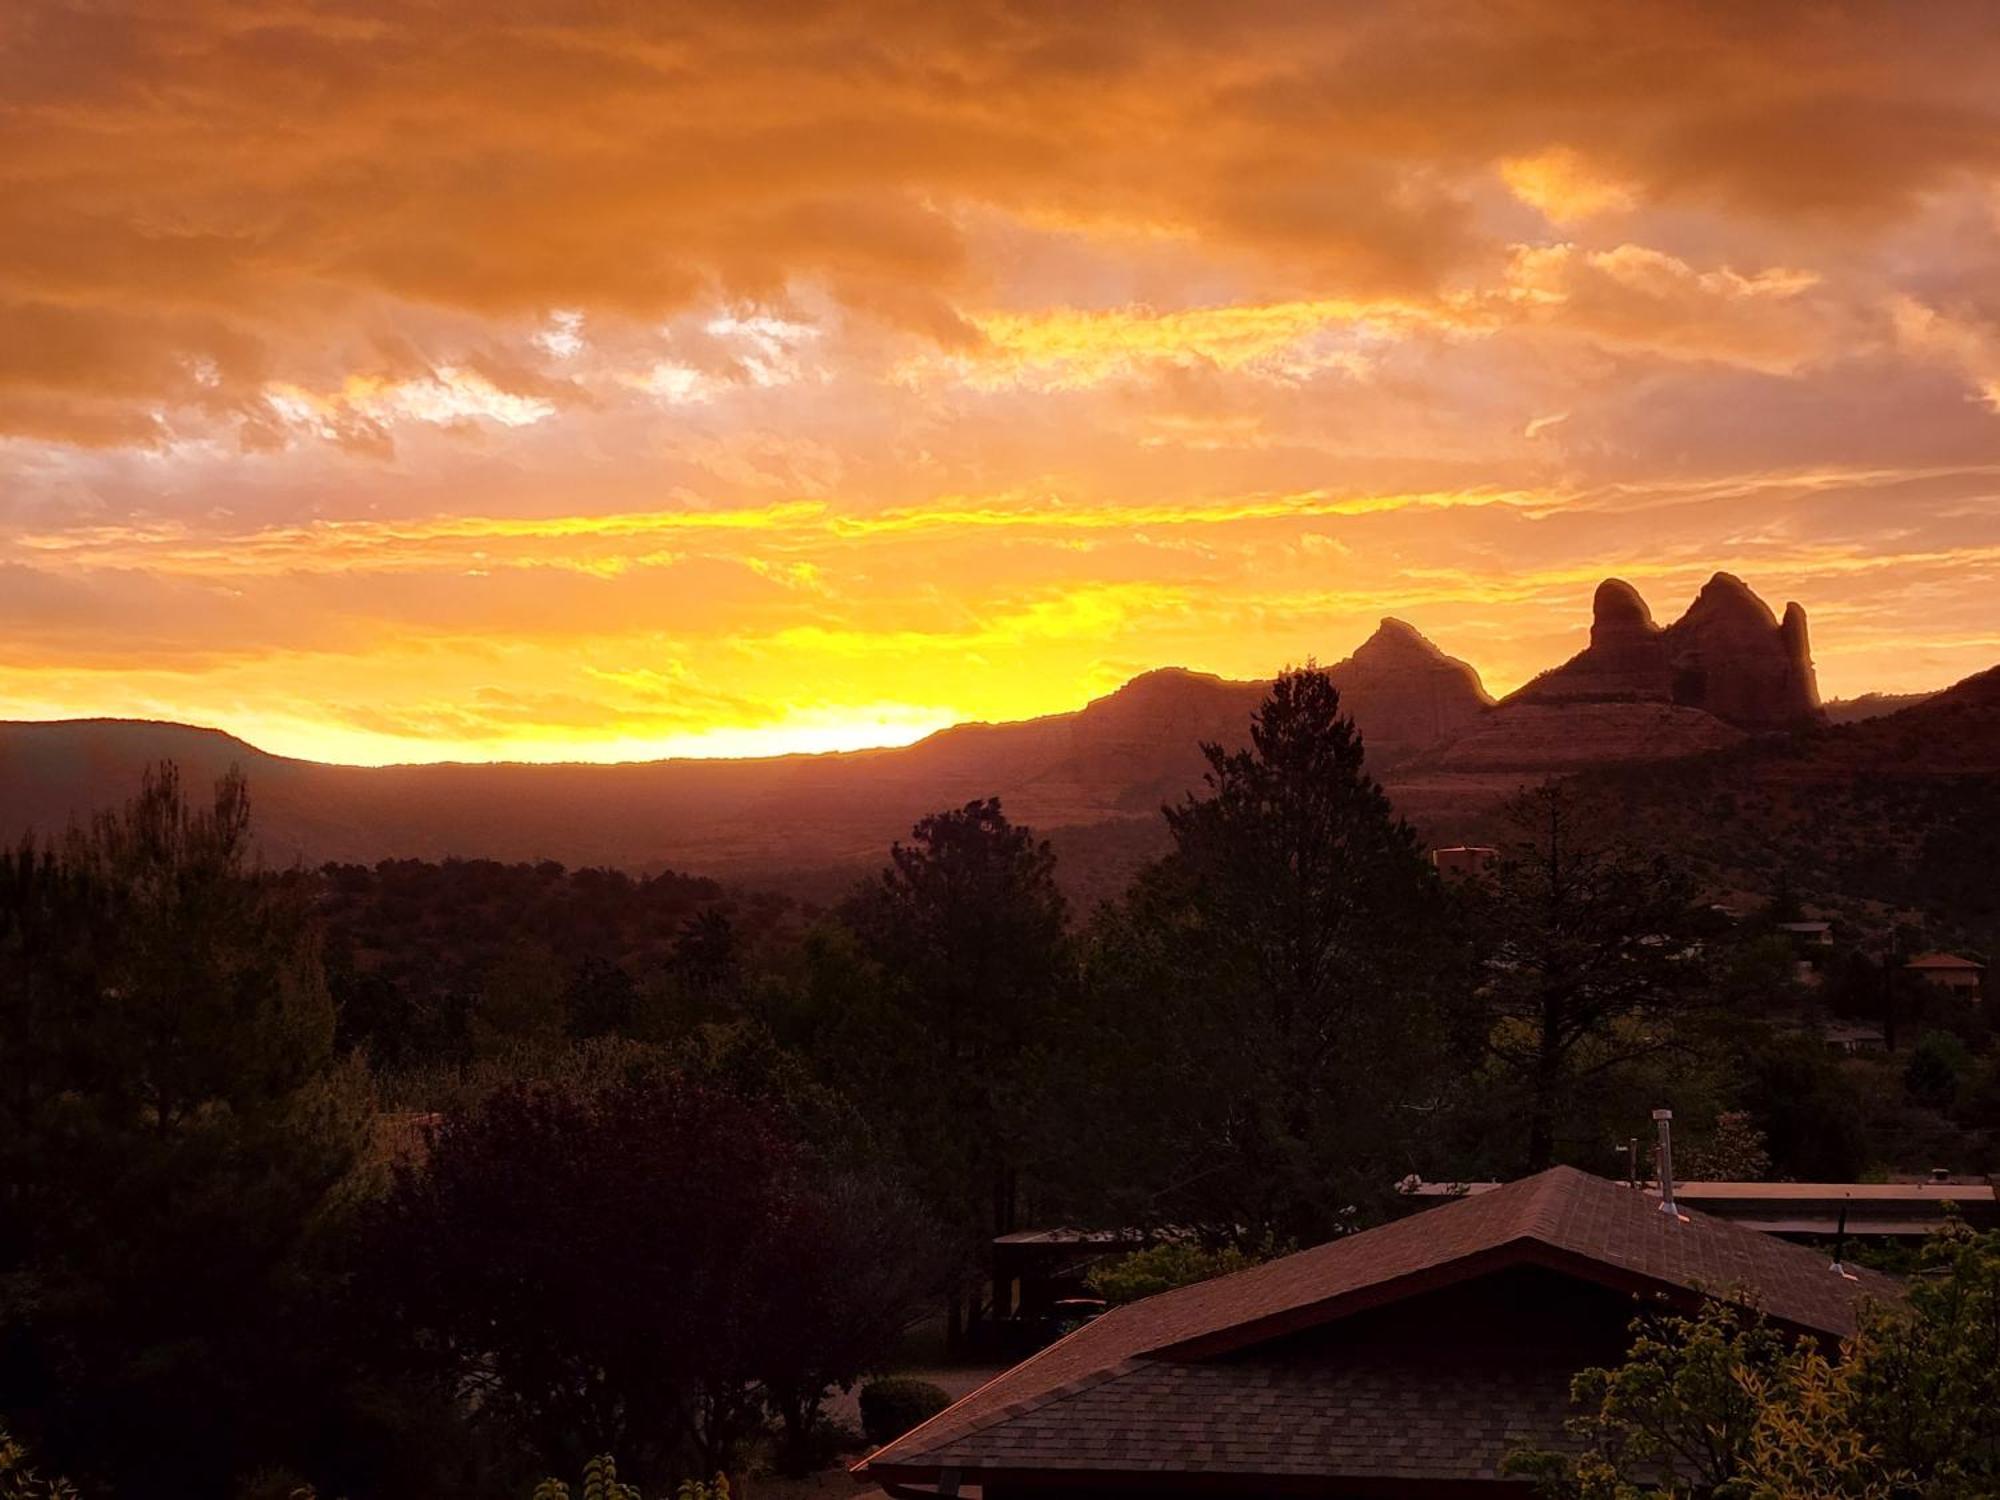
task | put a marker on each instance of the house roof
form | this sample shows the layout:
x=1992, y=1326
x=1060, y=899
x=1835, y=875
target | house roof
x=1147, y=1384
x=1373, y=1416
x=1943, y=961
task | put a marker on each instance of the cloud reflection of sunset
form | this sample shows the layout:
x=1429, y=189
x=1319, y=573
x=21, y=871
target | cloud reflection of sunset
x=386, y=383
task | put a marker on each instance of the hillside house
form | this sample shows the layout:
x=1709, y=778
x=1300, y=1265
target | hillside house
x=1949, y=971
x=1852, y=1038
x=1406, y=1360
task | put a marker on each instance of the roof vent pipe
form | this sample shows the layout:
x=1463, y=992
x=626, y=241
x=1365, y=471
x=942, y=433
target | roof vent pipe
x=1664, y=1119
x=1839, y=1266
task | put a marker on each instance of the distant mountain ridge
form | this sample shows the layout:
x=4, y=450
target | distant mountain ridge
x=1119, y=756
x=1094, y=778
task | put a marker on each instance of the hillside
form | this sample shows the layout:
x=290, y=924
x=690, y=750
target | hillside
x=1676, y=721
x=1869, y=706
x=1117, y=758
x=1894, y=814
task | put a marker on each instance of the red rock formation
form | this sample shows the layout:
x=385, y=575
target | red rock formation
x=1637, y=692
x=1727, y=656
x=1405, y=694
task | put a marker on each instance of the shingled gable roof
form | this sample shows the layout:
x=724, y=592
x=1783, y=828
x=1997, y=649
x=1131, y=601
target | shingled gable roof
x=1561, y=1219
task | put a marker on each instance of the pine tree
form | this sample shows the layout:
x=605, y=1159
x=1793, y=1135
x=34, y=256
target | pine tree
x=175, y=1130
x=1274, y=983
x=966, y=931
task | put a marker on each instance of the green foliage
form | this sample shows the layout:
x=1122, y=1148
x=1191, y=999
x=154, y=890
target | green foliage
x=958, y=967
x=1939, y=1065
x=1677, y=1418
x=432, y=962
x=695, y=1267
x=601, y=1482
x=1893, y=814
x=1266, y=1002
x=1930, y=1372
x=520, y=1001
x=891, y=1407
x=1721, y=1404
x=1162, y=1267
x=1807, y=1108
x=1594, y=954
x=19, y=1481
x=1731, y=1150
x=177, y=1140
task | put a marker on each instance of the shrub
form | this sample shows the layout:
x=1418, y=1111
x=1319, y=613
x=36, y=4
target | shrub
x=1937, y=1063
x=1161, y=1268
x=20, y=1482
x=601, y=1482
x=890, y=1408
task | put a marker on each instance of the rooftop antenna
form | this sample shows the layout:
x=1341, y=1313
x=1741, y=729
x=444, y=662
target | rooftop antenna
x=1839, y=1266
x=1664, y=1118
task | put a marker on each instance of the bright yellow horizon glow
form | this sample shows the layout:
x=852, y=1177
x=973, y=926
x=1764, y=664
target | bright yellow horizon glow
x=732, y=382
x=774, y=654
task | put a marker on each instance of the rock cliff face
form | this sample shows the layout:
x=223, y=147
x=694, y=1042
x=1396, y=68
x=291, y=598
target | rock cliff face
x=1405, y=694
x=1728, y=656
x=1726, y=669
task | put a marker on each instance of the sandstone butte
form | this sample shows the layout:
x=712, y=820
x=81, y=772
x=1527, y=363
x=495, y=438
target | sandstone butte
x=1725, y=669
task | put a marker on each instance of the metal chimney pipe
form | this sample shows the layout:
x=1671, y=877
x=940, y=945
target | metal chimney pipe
x=1841, y=1247
x=1664, y=1118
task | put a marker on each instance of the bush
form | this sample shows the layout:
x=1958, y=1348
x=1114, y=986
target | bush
x=1162, y=1268
x=1937, y=1063
x=890, y=1408
x=601, y=1482
x=20, y=1482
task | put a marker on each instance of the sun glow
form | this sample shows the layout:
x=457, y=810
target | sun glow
x=687, y=393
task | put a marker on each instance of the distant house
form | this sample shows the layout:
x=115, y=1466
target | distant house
x=1814, y=934
x=1462, y=861
x=1851, y=1037
x=1406, y=1360
x=1949, y=971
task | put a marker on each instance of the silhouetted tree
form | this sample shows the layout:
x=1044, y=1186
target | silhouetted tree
x=965, y=929
x=175, y=1133
x=1592, y=952
x=602, y=999
x=842, y=1289
x=637, y=1268
x=1271, y=988
x=707, y=958
x=1809, y=1110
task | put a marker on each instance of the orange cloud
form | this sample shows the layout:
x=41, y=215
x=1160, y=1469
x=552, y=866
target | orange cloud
x=391, y=381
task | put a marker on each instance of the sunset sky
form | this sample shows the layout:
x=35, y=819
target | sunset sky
x=579, y=379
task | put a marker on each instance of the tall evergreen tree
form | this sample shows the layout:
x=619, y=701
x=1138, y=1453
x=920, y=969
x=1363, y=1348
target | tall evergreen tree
x=1272, y=985
x=1595, y=957
x=966, y=930
x=174, y=1130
